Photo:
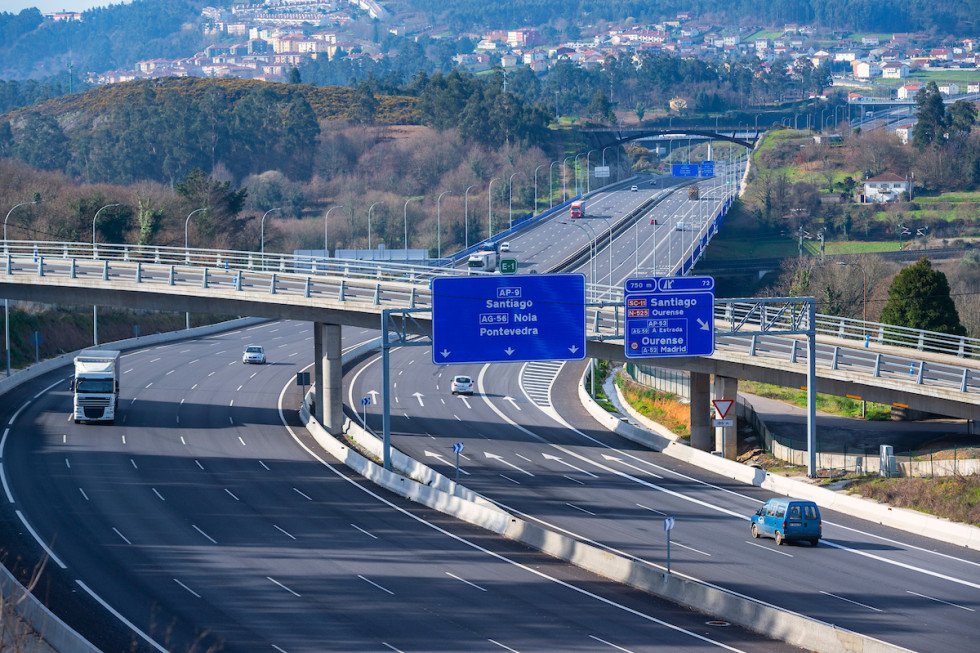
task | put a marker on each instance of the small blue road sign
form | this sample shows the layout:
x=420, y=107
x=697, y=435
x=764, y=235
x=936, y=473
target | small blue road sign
x=499, y=319
x=684, y=169
x=669, y=317
x=458, y=447
x=365, y=401
x=707, y=169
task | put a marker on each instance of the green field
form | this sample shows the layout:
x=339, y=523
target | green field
x=763, y=34
x=938, y=76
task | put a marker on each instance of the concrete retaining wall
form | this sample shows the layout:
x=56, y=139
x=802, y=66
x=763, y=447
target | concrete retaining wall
x=906, y=520
x=54, y=634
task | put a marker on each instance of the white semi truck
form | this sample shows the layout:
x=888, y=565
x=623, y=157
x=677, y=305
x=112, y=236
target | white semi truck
x=96, y=386
x=483, y=261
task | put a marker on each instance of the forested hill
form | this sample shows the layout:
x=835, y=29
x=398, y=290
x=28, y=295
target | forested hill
x=106, y=38
x=566, y=16
x=162, y=129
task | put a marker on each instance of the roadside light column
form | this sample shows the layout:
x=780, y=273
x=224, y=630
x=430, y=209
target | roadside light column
x=466, y=216
x=95, y=307
x=6, y=302
x=701, y=411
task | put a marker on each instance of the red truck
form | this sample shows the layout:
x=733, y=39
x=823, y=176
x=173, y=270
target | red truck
x=577, y=210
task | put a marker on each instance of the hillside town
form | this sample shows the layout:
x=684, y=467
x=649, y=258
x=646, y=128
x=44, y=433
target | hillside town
x=265, y=41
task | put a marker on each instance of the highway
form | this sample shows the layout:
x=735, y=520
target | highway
x=531, y=448
x=205, y=520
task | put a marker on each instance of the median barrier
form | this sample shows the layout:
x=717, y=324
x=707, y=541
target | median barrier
x=910, y=521
x=54, y=634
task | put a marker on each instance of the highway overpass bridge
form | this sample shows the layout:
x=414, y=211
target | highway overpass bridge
x=756, y=340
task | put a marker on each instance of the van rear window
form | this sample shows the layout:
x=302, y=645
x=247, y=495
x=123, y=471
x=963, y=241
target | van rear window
x=810, y=512
x=794, y=512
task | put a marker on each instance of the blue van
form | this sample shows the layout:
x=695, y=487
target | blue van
x=788, y=520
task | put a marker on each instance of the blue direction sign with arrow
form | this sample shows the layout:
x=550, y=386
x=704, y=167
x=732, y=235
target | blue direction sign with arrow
x=496, y=319
x=669, y=317
x=707, y=169
x=684, y=170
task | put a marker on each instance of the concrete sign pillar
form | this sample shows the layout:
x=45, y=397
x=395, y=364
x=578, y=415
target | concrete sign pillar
x=327, y=370
x=726, y=437
x=701, y=411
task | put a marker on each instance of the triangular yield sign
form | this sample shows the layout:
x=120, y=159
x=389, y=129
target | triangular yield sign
x=723, y=406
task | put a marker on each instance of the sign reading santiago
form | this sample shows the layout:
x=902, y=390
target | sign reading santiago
x=669, y=317
x=495, y=319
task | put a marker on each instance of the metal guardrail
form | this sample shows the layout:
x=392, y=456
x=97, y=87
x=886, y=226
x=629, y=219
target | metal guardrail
x=606, y=323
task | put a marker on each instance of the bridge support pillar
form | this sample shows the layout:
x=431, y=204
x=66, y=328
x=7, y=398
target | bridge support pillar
x=327, y=377
x=726, y=437
x=701, y=411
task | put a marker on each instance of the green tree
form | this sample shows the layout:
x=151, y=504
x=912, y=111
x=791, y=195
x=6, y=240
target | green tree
x=931, y=122
x=640, y=111
x=149, y=219
x=600, y=109
x=919, y=299
x=962, y=116
x=294, y=76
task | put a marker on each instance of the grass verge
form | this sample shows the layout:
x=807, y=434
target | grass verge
x=827, y=403
x=661, y=407
x=953, y=497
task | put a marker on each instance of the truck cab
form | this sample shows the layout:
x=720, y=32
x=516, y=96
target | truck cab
x=95, y=386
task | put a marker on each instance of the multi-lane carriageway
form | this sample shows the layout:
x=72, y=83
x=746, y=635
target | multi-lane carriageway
x=206, y=519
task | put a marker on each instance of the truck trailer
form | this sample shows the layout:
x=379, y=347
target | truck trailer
x=96, y=386
x=483, y=261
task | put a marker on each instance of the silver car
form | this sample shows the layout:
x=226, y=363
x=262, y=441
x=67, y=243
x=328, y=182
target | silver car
x=254, y=354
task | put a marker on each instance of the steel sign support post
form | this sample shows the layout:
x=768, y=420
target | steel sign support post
x=386, y=395
x=811, y=389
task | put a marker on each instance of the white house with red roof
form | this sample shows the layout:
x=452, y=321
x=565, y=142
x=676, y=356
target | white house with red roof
x=886, y=187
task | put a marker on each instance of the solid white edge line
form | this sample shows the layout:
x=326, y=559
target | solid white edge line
x=117, y=615
x=40, y=541
x=481, y=549
x=6, y=488
x=3, y=441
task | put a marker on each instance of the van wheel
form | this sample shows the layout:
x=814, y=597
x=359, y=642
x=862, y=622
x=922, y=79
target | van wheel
x=779, y=538
x=755, y=532
x=814, y=542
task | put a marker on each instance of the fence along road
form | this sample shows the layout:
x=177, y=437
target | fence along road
x=942, y=378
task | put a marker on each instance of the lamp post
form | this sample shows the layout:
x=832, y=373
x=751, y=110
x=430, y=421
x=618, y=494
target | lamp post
x=604, y=157
x=466, y=216
x=95, y=308
x=534, y=212
x=588, y=179
x=405, y=216
x=610, y=253
x=326, y=224
x=510, y=206
x=262, y=225
x=490, y=205
x=369, y=221
x=551, y=185
x=578, y=175
x=591, y=246
x=187, y=257
x=6, y=302
x=757, y=116
x=439, y=223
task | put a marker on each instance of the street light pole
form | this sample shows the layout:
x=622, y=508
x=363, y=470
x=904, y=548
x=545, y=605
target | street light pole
x=510, y=208
x=535, y=211
x=490, y=205
x=466, y=215
x=564, y=178
x=405, y=216
x=95, y=308
x=369, y=221
x=187, y=257
x=439, y=223
x=551, y=185
x=326, y=224
x=6, y=302
x=262, y=225
x=588, y=179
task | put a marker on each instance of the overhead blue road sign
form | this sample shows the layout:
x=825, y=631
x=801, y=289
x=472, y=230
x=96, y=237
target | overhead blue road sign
x=684, y=169
x=508, y=318
x=707, y=169
x=669, y=317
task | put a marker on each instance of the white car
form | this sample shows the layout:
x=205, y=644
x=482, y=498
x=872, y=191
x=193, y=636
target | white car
x=462, y=385
x=254, y=354
x=505, y=247
x=634, y=189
